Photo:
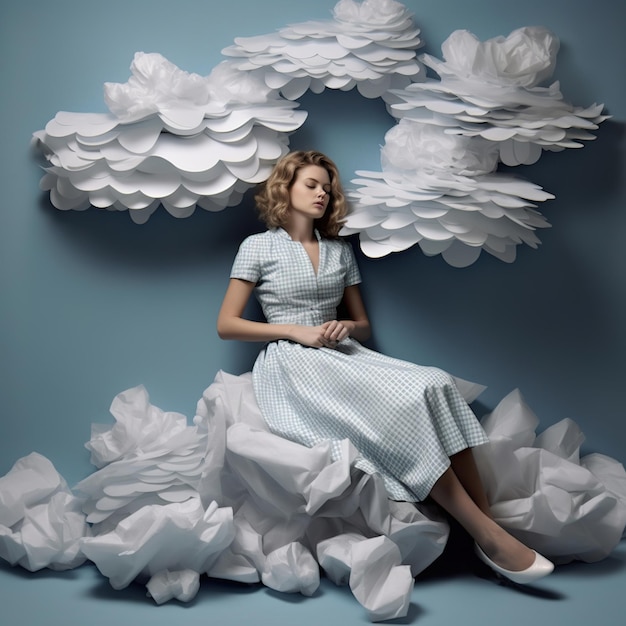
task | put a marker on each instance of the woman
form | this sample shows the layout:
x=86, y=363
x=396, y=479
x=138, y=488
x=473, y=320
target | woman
x=314, y=381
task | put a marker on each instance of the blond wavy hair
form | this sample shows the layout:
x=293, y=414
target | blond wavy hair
x=273, y=197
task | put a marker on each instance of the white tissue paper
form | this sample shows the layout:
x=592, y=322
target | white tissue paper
x=226, y=498
x=564, y=507
x=41, y=522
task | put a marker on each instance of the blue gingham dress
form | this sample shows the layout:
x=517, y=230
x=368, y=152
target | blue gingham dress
x=404, y=419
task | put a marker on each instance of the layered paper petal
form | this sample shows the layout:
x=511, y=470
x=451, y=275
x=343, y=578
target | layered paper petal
x=369, y=45
x=172, y=138
x=492, y=89
x=441, y=192
x=148, y=457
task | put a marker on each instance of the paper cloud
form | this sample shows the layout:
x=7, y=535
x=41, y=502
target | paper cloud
x=261, y=508
x=182, y=140
x=439, y=187
x=442, y=192
x=369, y=45
x=172, y=138
x=492, y=89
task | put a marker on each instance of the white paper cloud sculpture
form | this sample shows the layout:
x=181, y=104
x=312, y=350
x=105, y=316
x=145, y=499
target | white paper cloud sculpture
x=441, y=191
x=181, y=140
x=172, y=138
x=492, y=89
x=439, y=186
x=370, y=45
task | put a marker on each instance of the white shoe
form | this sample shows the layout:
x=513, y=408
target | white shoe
x=541, y=567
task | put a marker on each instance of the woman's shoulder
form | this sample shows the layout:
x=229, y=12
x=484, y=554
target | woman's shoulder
x=261, y=247
x=257, y=240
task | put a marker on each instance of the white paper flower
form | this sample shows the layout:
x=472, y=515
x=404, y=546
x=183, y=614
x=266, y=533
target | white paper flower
x=370, y=45
x=440, y=191
x=492, y=90
x=173, y=138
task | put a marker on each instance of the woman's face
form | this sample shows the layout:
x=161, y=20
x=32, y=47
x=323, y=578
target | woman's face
x=310, y=192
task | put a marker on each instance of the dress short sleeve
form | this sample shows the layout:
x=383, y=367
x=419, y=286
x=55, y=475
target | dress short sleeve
x=247, y=263
x=353, y=275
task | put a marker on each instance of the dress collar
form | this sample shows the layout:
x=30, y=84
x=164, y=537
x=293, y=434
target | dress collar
x=283, y=233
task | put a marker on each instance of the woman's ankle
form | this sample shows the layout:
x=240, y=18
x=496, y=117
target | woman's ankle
x=504, y=549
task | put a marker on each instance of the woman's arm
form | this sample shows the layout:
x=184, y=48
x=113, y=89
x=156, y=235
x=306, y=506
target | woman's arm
x=231, y=324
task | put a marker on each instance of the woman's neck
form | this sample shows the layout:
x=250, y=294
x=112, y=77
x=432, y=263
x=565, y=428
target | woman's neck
x=301, y=230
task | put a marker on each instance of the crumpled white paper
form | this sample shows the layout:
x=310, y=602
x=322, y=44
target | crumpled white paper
x=373, y=569
x=565, y=507
x=283, y=498
x=148, y=457
x=181, y=585
x=173, y=537
x=369, y=45
x=41, y=522
x=291, y=569
x=260, y=508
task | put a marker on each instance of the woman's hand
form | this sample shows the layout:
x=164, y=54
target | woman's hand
x=336, y=331
x=231, y=324
x=327, y=335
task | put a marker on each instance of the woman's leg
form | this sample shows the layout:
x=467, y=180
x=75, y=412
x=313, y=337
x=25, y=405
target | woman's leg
x=464, y=466
x=501, y=547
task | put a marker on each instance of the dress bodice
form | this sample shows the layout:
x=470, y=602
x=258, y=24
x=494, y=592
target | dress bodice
x=287, y=286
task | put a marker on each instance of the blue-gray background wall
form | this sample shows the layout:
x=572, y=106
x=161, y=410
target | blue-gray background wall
x=92, y=304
